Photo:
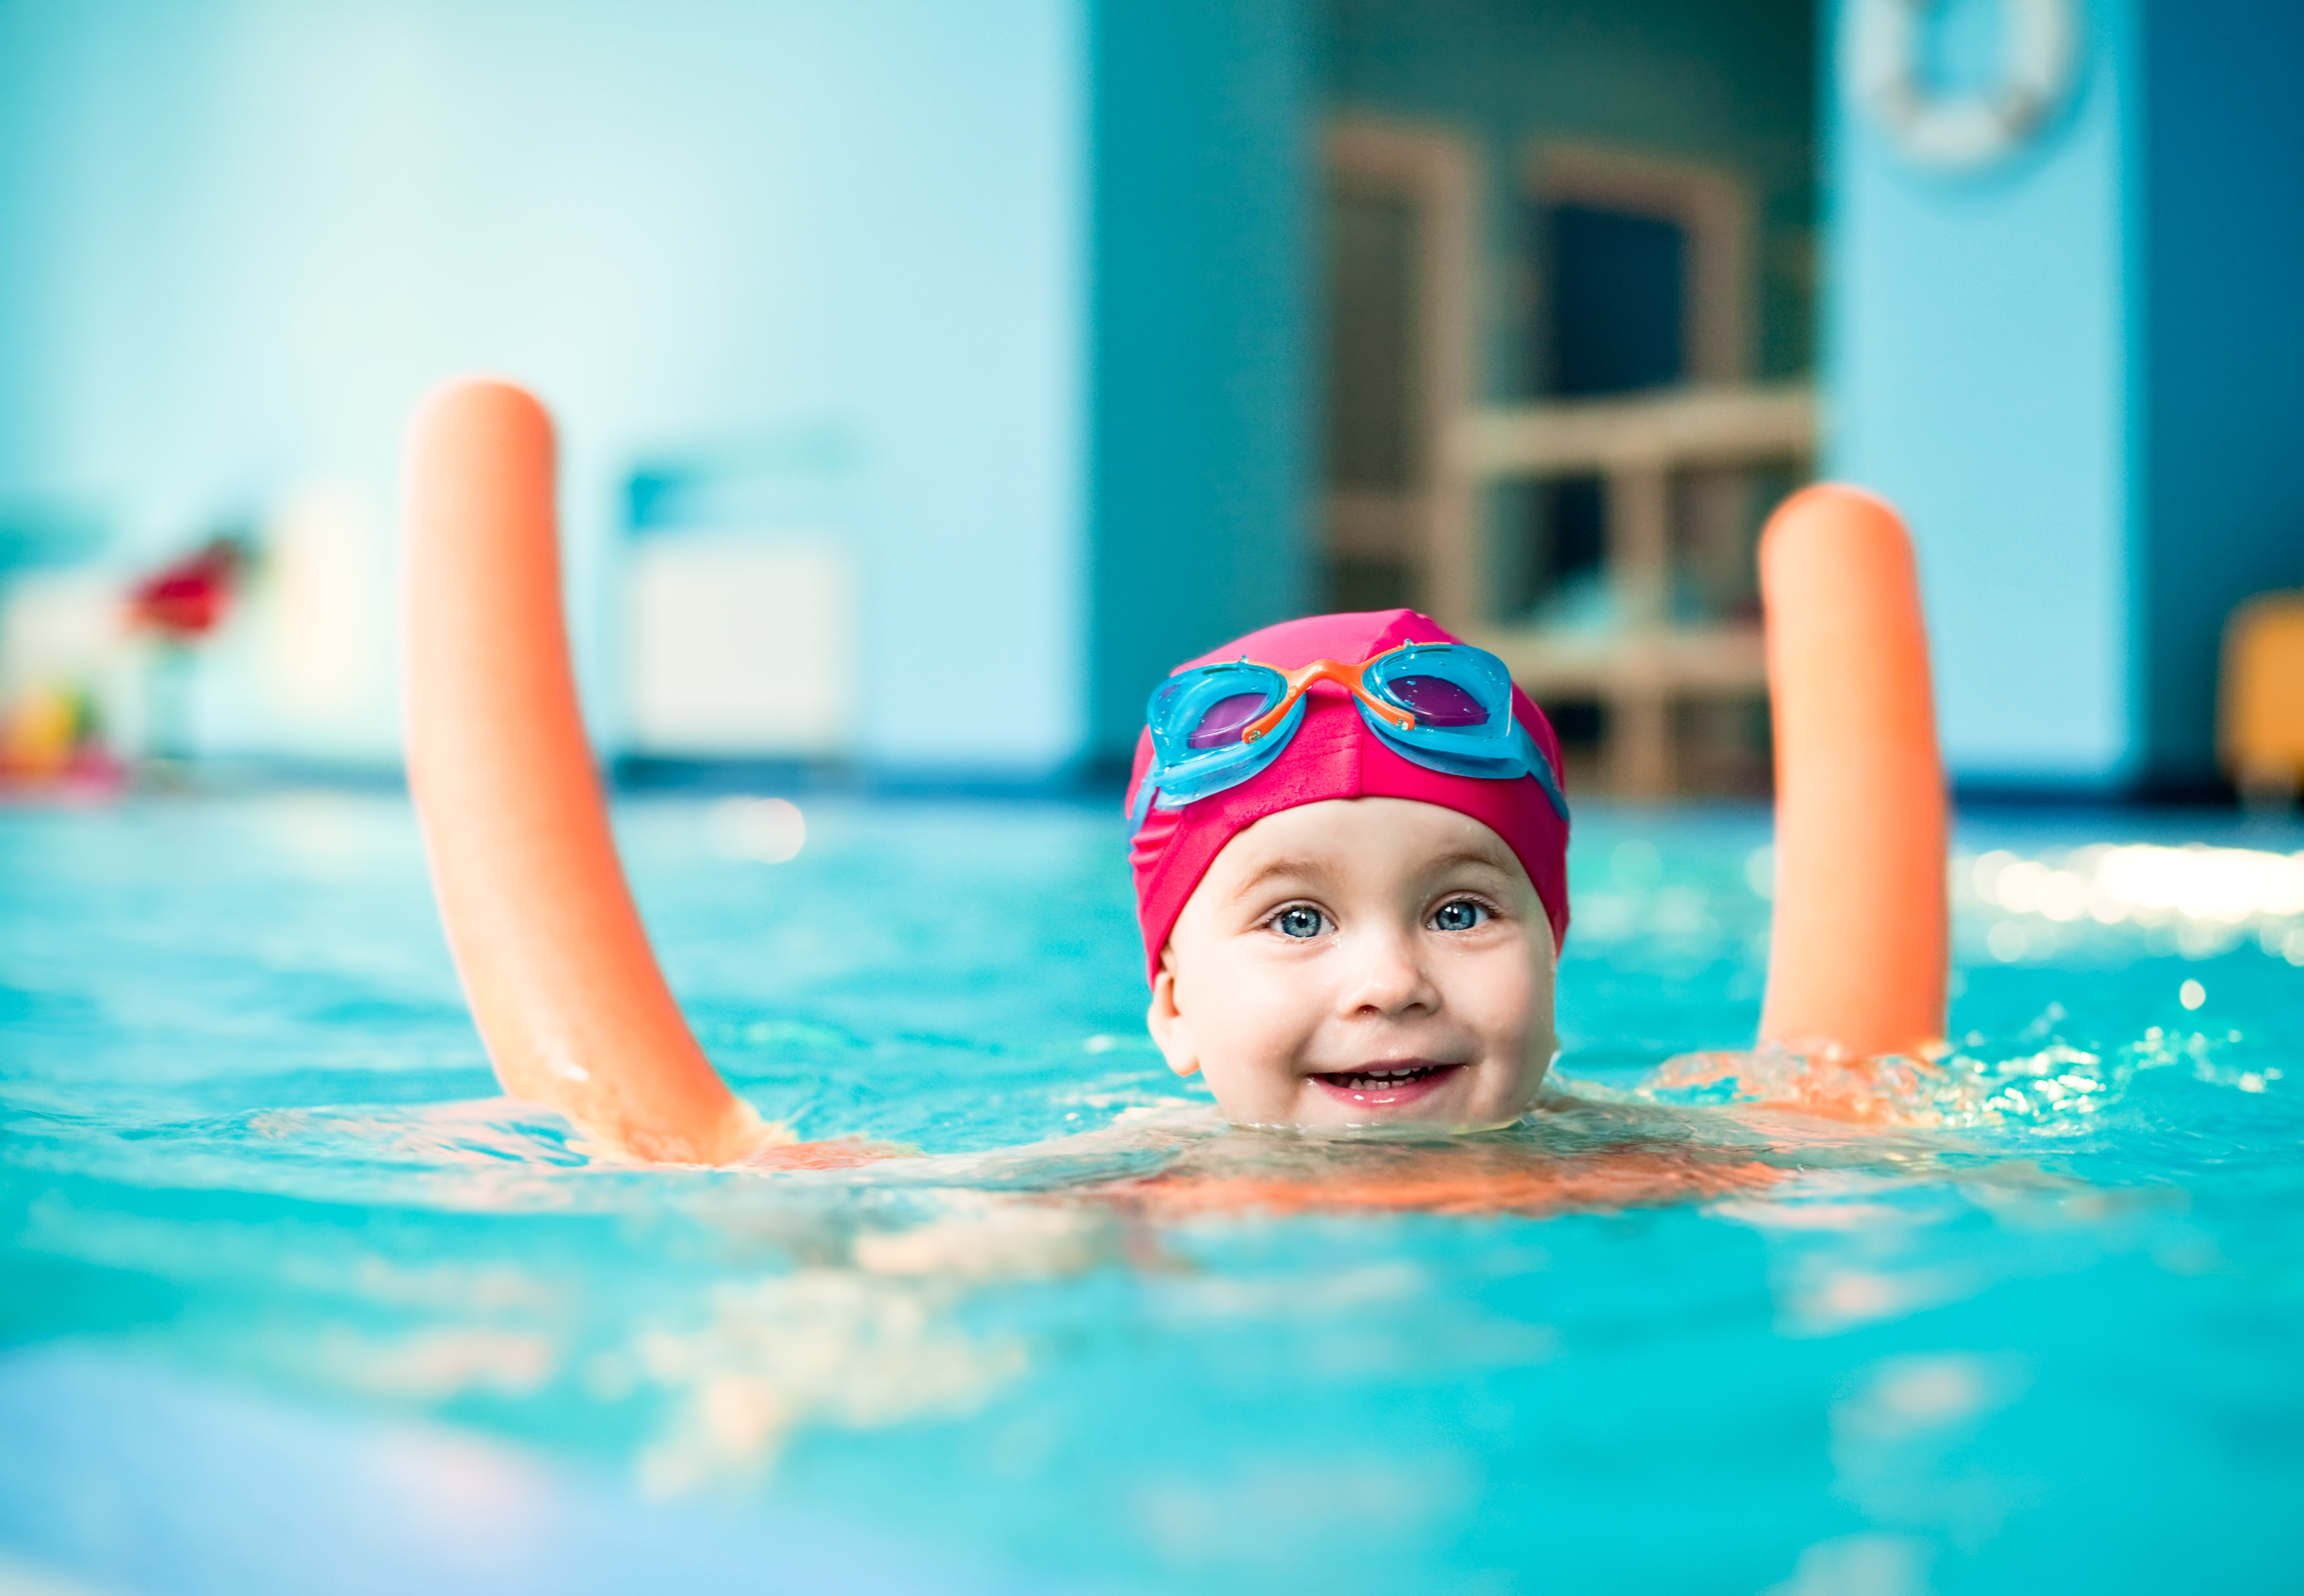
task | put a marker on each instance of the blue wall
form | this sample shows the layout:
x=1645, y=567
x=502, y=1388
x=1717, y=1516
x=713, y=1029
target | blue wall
x=2075, y=372
x=238, y=238
x=1201, y=409
x=1979, y=357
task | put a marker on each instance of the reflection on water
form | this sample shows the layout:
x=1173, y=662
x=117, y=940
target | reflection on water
x=1878, y=1325
x=846, y=1347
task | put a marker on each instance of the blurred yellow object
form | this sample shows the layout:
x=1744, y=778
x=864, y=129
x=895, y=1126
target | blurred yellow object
x=2261, y=737
x=40, y=735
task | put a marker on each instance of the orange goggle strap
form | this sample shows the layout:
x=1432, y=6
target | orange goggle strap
x=1352, y=677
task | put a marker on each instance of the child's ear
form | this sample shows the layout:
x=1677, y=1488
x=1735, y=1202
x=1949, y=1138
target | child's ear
x=1171, y=1031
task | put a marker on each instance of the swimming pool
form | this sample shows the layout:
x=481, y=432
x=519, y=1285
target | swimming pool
x=291, y=1305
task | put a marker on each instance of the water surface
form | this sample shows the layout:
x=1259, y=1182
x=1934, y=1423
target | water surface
x=292, y=1301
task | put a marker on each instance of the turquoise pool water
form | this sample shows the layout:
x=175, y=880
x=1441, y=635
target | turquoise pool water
x=292, y=1304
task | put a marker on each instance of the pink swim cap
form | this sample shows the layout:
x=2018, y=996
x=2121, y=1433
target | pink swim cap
x=1334, y=755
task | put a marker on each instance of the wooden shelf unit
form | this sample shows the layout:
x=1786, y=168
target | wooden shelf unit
x=1639, y=669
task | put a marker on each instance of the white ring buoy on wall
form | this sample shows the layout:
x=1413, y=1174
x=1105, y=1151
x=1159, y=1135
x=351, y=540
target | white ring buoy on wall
x=2040, y=51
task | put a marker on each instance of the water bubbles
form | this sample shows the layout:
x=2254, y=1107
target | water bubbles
x=2040, y=1076
x=765, y=831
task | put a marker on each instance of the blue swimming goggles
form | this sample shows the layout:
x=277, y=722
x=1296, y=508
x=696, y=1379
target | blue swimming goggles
x=1446, y=707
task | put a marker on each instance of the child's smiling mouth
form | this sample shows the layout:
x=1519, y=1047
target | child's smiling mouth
x=1387, y=1084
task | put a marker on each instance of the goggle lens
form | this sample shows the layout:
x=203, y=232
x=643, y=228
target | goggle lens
x=1221, y=722
x=1436, y=702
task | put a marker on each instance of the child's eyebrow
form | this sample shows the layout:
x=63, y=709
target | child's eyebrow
x=1492, y=860
x=1278, y=870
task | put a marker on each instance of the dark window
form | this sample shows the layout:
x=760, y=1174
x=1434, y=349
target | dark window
x=1615, y=322
x=1617, y=300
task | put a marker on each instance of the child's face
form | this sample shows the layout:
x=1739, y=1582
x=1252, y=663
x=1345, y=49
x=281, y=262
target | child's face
x=1359, y=962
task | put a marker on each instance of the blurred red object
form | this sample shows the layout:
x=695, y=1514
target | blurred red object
x=188, y=599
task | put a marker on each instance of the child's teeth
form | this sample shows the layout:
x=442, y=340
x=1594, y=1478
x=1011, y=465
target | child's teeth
x=1362, y=1079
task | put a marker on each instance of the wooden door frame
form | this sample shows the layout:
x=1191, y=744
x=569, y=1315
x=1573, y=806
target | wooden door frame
x=1438, y=172
x=1712, y=206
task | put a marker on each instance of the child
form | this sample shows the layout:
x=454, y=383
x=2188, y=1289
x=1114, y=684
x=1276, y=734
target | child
x=1351, y=862
x=1352, y=876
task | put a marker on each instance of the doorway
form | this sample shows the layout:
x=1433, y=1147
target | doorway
x=1638, y=267
x=1639, y=276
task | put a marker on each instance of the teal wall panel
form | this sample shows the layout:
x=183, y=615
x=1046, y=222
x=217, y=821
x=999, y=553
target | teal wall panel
x=2223, y=255
x=1201, y=408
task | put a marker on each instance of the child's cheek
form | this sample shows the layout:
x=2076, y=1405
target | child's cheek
x=1517, y=1006
x=1543, y=1036
x=1258, y=1016
x=1279, y=1004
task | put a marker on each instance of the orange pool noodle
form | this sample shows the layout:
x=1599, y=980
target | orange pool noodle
x=555, y=960
x=1859, y=952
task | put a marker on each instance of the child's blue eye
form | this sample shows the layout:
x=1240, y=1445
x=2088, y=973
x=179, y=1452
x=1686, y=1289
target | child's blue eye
x=1299, y=921
x=1461, y=915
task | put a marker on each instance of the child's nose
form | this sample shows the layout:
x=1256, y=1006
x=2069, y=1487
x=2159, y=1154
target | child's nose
x=1388, y=977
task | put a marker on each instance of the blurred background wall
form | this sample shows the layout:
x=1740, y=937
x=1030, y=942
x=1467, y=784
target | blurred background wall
x=812, y=273
x=1981, y=380
x=1731, y=85
x=934, y=375
x=2073, y=368
x=1546, y=229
